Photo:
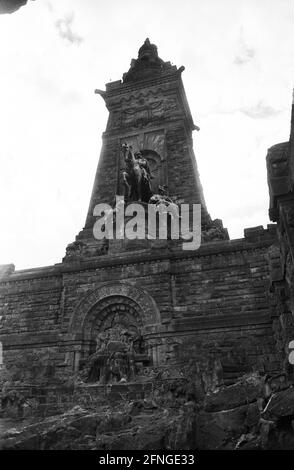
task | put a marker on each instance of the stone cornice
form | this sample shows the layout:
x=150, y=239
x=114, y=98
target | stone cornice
x=124, y=88
x=200, y=324
x=134, y=258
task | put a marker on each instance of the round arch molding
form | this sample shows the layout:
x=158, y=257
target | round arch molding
x=146, y=306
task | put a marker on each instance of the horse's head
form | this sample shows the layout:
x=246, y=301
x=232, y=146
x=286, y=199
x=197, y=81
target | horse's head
x=128, y=153
x=126, y=149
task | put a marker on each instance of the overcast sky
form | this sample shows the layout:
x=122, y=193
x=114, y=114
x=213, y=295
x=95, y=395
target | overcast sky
x=239, y=60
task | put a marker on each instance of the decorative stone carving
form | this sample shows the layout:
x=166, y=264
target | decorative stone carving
x=78, y=249
x=95, y=307
x=162, y=197
x=213, y=231
x=113, y=334
x=118, y=355
x=140, y=116
x=6, y=270
x=152, y=141
x=143, y=110
x=74, y=248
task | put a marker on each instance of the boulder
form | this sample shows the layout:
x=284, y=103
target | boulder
x=280, y=404
x=221, y=429
x=247, y=390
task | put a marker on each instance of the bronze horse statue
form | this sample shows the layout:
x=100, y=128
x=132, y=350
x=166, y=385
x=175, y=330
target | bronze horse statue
x=135, y=180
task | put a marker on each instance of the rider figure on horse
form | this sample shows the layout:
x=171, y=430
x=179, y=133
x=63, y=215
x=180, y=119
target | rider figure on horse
x=137, y=175
x=143, y=163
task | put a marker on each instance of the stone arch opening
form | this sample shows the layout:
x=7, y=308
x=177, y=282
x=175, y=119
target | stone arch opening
x=107, y=308
x=146, y=305
x=113, y=344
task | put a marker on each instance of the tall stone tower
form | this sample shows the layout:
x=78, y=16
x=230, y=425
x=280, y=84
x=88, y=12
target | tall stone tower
x=133, y=307
x=148, y=109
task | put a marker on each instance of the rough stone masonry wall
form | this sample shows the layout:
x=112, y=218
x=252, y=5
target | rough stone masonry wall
x=213, y=303
x=280, y=166
x=183, y=177
x=221, y=310
x=30, y=309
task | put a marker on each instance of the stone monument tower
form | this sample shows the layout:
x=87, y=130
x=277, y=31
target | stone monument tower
x=149, y=110
x=115, y=309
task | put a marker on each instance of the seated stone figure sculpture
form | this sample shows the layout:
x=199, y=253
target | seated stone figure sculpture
x=114, y=359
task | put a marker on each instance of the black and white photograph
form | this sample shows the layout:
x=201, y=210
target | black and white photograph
x=147, y=229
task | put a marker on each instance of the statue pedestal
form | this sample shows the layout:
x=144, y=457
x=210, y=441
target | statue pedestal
x=137, y=224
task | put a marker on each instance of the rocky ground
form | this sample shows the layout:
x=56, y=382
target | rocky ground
x=105, y=429
x=254, y=413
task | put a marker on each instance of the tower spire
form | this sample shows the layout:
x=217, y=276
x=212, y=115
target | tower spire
x=148, y=63
x=148, y=50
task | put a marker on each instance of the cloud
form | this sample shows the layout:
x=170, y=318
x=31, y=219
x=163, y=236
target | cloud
x=64, y=28
x=260, y=111
x=244, y=53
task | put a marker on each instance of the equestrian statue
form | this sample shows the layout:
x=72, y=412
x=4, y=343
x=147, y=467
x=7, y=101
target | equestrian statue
x=136, y=175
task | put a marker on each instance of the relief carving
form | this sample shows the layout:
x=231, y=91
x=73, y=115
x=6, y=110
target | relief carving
x=78, y=249
x=119, y=355
x=141, y=111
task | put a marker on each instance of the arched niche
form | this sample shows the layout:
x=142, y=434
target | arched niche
x=109, y=307
x=152, y=146
x=112, y=312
